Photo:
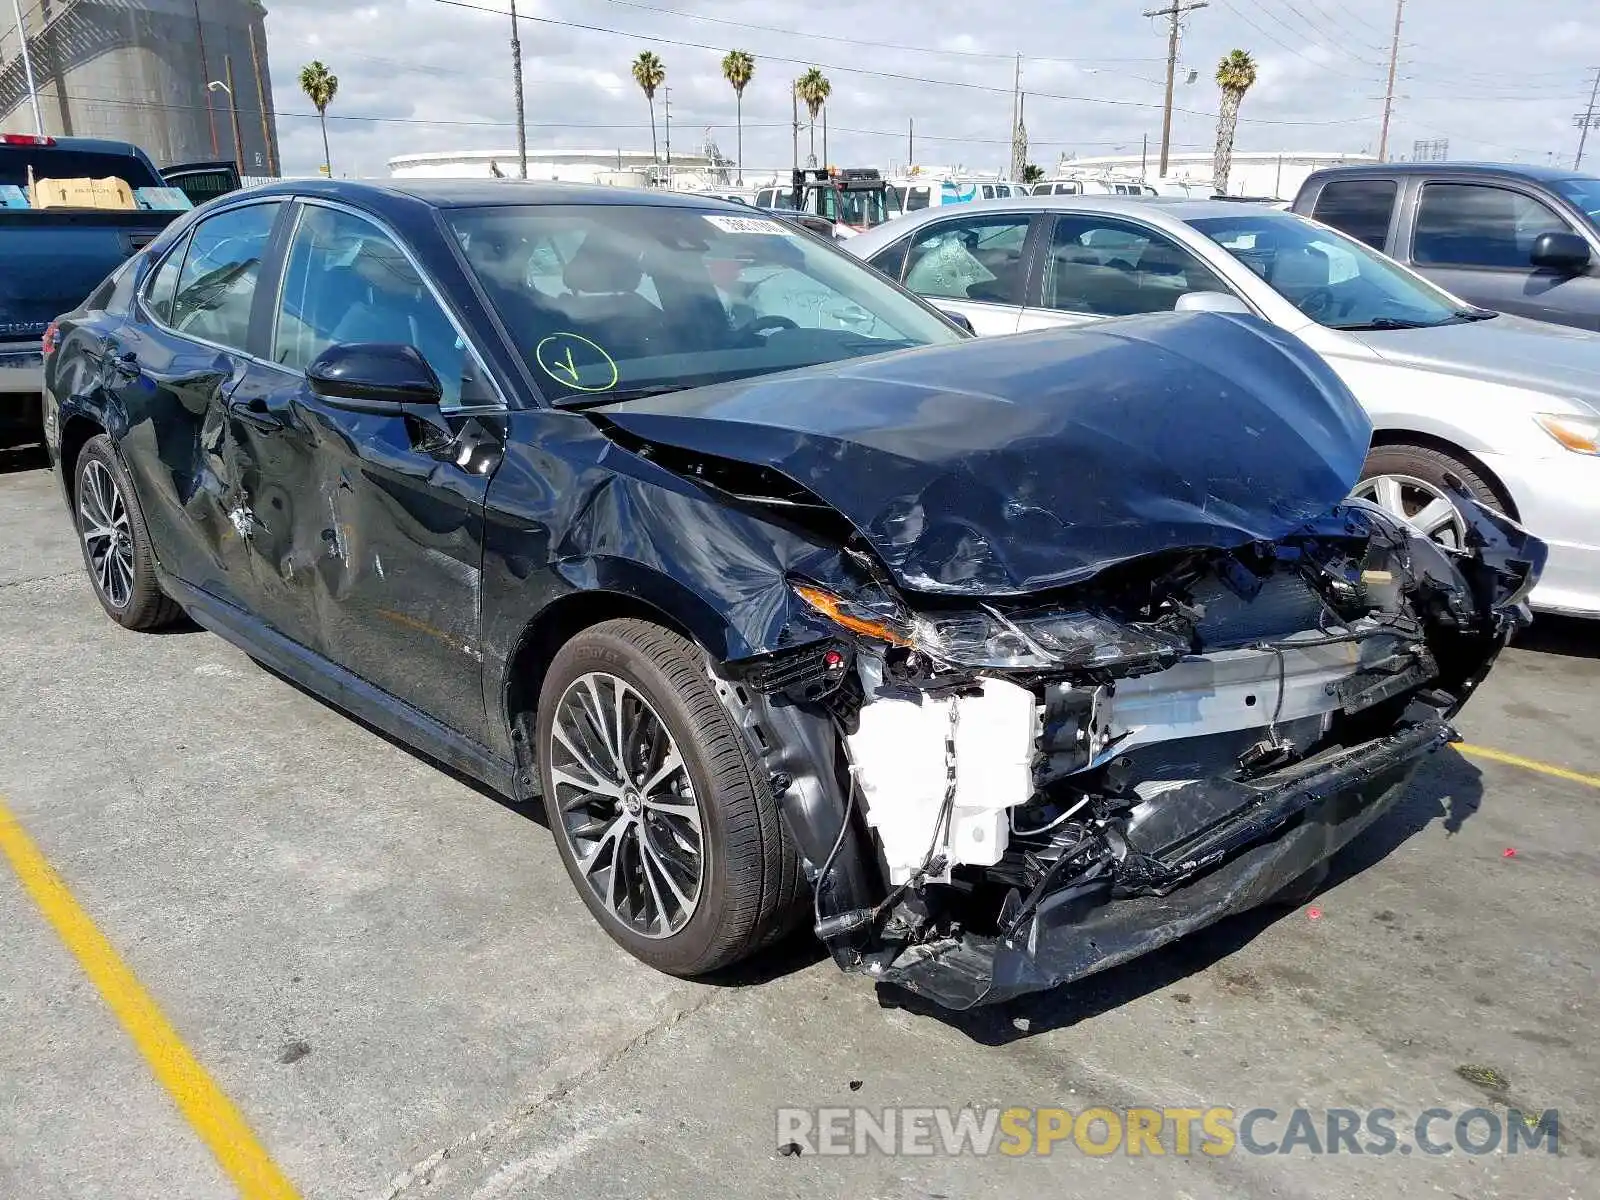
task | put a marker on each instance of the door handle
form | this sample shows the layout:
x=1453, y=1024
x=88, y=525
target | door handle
x=257, y=412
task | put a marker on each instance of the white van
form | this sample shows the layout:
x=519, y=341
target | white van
x=917, y=194
x=1091, y=187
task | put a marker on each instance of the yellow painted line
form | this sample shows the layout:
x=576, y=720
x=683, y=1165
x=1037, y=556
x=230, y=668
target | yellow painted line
x=212, y=1115
x=1528, y=764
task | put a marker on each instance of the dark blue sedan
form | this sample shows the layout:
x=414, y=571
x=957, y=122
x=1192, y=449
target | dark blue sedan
x=998, y=661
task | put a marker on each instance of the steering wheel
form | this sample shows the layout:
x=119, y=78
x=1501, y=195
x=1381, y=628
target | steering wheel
x=770, y=323
x=1316, y=302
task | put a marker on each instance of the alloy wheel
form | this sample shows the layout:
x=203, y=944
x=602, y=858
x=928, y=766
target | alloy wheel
x=107, y=534
x=627, y=805
x=1424, y=505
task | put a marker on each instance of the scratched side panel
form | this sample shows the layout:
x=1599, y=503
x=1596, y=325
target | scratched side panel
x=570, y=512
x=395, y=560
x=173, y=417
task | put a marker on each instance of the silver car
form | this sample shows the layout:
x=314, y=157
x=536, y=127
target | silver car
x=1510, y=408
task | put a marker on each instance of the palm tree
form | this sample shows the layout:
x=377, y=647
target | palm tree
x=1032, y=173
x=813, y=89
x=320, y=86
x=649, y=72
x=1236, y=74
x=737, y=68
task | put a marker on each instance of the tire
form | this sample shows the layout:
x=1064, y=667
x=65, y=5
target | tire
x=750, y=886
x=121, y=562
x=1402, y=476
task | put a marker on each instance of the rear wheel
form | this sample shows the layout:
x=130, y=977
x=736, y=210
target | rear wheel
x=663, y=817
x=1410, y=482
x=116, y=542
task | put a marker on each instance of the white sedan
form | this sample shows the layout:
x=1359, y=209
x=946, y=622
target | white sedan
x=1510, y=408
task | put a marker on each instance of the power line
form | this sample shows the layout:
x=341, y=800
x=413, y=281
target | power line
x=1271, y=37
x=896, y=75
x=855, y=41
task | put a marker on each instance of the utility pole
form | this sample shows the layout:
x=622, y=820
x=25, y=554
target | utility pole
x=27, y=69
x=205, y=77
x=666, y=105
x=1388, y=95
x=1144, y=158
x=516, y=88
x=911, y=142
x=794, y=118
x=261, y=102
x=1175, y=11
x=1587, y=120
x=233, y=105
x=825, y=159
x=1016, y=109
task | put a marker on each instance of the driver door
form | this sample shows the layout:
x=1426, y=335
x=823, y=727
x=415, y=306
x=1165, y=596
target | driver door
x=374, y=517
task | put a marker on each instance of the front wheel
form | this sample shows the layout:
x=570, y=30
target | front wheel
x=1410, y=482
x=662, y=815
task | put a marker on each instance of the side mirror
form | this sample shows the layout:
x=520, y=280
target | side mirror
x=1564, y=252
x=960, y=319
x=1217, y=302
x=373, y=377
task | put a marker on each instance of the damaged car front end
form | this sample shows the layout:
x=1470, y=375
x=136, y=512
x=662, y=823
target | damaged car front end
x=1068, y=698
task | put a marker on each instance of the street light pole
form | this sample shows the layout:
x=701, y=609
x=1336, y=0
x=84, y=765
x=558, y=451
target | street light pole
x=27, y=69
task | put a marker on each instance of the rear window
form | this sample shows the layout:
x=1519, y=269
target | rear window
x=1359, y=207
x=51, y=162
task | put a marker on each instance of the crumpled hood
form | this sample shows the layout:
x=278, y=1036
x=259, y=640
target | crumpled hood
x=1008, y=465
x=1550, y=358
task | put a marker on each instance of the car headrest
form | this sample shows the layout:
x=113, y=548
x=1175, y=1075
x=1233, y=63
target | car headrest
x=598, y=268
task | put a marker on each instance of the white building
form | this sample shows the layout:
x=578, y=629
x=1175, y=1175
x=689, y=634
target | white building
x=615, y=168
x=1254, y=173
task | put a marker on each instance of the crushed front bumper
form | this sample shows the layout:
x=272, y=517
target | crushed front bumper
x=1301, y=817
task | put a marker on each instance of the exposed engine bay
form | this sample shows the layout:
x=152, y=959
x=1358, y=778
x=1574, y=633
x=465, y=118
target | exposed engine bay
x=1032, y=788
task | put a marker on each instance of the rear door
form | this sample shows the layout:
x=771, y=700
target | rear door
x=1476, y=240
x=1364, y=208
x=370, y=523
x=173, y=370
x=976, y=264
x=1094, y=267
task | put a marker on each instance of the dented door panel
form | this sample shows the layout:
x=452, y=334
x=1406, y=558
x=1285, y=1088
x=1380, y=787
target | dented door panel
x=173, y=396
x=275, y=510
x=387, y=547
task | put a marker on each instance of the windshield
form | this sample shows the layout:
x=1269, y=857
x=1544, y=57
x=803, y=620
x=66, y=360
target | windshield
x=1584, y=191
x=1335, y=280
x=864, y=209
x=604, y=301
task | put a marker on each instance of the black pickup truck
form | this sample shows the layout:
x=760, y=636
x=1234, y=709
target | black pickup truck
x=51, y=259
x=1517, y=239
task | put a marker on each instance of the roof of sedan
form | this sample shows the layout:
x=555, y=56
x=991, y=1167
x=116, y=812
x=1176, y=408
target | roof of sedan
x=482, y=193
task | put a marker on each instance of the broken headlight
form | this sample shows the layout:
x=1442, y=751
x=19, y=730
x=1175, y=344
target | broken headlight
x=984, y=637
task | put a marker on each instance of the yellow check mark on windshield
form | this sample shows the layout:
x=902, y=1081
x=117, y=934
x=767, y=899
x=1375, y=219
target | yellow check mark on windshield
x=568, y=368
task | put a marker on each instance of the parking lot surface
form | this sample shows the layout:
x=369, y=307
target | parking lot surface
x=387, y=972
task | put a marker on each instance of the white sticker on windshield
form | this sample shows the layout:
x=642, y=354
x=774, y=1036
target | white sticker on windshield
x=748, y=225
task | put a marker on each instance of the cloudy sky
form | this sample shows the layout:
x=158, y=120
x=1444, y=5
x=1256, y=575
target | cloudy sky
x=421, y=75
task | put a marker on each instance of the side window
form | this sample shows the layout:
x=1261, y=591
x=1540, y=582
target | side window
x=891, y=260
x=976, y=258
x=1474, y=225
x=988, y=191
x=919, y=198
x=1359, y=207
x=158, y=295
x=1111, y=269
x=347, y=282
x=217, y=284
